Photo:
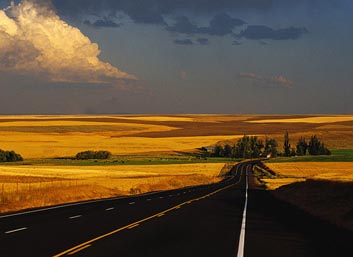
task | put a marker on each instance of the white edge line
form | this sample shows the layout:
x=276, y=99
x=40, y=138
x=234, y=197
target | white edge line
x=75, y=217
x=110, y=209
x=15, y=230
x=73, y=204
x=243, y=225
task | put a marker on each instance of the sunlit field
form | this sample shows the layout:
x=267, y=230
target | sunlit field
x=64, y=136
x=50, y=176
x=24, y=187
x=315, y=120
x=301, y=171
x=42, y=145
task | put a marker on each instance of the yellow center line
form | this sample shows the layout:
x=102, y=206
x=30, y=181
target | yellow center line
x=79, y=249
x=135, y=224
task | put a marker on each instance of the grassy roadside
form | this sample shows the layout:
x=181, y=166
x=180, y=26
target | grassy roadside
x=338, y=155
x=122, y=161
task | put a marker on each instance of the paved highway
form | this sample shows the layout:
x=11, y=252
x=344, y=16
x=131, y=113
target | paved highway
x=223, y=219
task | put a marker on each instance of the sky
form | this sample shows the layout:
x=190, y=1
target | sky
x=176, y=56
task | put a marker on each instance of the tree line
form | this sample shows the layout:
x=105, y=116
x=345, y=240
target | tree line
x=252, y=147
x=9, y=156
x=313, y=147
x=87, y=155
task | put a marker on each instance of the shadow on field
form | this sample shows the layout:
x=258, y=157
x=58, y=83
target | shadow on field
x=330, y=200
x=280, y=228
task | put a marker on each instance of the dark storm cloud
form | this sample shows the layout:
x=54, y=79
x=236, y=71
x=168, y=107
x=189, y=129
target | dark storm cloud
x=203, y=41
x=145, y=12
x=184, y=26
x=183, y=42
x=102, y=23
x=156, y=12
x=152, y=11
x=260, y=32
x=236, y=43
x=220, y=25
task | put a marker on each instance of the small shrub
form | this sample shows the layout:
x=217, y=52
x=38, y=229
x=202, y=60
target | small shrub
x=87, y=155
x=9, y=156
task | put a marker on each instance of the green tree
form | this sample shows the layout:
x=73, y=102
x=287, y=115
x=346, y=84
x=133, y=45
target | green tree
x=87, y=155
x=218, y=151
x=227, y=151
x=286, y=145
x=314, y=145
x=248, y=147
x=323, y=150
x=271, y=147
x=9, y=156
x=301, y=147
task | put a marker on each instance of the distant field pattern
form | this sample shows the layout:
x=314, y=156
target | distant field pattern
x=62, y=136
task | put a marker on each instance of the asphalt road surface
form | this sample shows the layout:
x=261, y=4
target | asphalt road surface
x=220, y=220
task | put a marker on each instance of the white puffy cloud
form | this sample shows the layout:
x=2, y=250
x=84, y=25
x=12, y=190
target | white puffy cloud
x=34, y=40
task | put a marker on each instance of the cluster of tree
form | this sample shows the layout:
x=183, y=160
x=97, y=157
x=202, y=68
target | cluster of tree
x=9, y=156
x=86, y=155
x=247, y=147
x=252, y=147
x=313, y=147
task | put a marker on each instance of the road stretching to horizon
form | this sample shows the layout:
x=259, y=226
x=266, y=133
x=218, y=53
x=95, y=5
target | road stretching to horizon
x=226, y=219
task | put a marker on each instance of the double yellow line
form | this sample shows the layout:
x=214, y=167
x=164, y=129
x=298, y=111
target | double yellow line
x=87, y=244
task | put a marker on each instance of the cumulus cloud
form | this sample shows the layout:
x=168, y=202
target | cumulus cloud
x=34, y=40
x=259, y=32
x=267, y=81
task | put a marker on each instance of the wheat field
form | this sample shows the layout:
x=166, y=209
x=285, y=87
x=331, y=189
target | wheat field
x=301, y=171
x=63, y=136
x=24, y=187
x=37, y=137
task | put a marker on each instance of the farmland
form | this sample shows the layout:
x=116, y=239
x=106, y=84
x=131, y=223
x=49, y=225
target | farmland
x=63, y=136
x=300, y=171
x=35, y=186
x=149, y=152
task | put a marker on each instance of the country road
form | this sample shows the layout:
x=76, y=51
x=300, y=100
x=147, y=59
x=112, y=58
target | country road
x=226, y=219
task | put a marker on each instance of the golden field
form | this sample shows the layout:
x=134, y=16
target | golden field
x=55, y=136
x=64, y=136
x=24, y=187
x=301, y=171
x=315, y=120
